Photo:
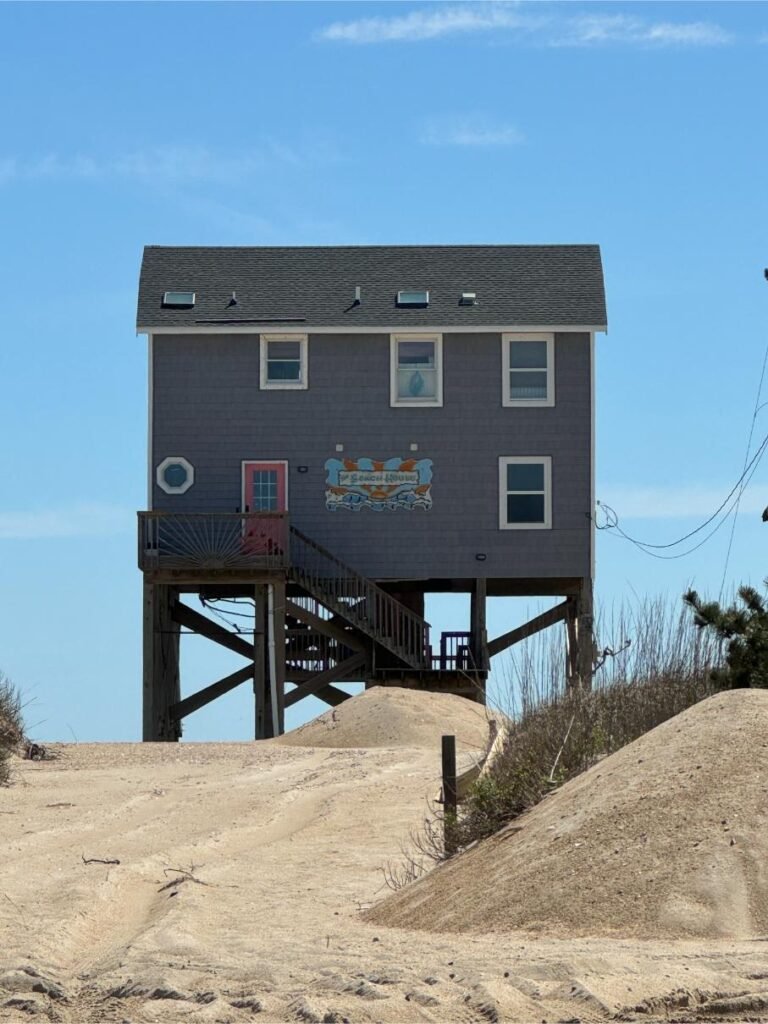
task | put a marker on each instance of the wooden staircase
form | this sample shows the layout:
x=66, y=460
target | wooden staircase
x=358, y=601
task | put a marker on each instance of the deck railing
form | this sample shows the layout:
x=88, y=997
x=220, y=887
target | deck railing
x=360, y=601
x=214, y=541
x=455, y=653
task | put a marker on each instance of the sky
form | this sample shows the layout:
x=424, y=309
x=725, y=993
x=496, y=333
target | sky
x=640, y=127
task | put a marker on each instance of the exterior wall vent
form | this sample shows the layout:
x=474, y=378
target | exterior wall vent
x=417, y=298
x=178, y=300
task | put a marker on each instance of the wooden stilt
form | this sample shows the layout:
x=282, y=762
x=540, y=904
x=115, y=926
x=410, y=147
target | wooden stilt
x=571, y=645
x=585, y=639
x=161, y=663
x=479, y=641
x=260, y=680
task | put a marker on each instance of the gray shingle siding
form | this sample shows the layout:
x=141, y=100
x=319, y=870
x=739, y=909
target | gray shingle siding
x=528, y=285
x=208, y=408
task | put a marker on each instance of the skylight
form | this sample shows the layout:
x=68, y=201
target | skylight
x=413, y=298
x=178, y=300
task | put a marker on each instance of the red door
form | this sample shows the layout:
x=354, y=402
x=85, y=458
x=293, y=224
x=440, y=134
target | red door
x=265, y=490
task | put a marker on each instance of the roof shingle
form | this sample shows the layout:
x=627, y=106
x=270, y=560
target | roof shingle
x=547, y=285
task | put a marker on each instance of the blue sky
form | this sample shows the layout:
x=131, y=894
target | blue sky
x=637, y=126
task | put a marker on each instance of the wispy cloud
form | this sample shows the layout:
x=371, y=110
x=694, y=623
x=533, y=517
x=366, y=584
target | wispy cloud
x=81, y=520
x=601, y=30
x=167, y=165
x=470, y=131
x=677, y=502
x=512, y=19
x=430, y=23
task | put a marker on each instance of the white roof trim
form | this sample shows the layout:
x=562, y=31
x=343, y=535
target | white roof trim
x=385, y=329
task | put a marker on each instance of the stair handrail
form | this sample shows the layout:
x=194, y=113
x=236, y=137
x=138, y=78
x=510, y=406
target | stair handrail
x=393, y=621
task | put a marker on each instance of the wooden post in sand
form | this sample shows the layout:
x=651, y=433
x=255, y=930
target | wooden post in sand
x=450, y=799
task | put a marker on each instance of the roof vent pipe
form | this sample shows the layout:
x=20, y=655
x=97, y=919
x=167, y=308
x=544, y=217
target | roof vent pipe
x=358, y=300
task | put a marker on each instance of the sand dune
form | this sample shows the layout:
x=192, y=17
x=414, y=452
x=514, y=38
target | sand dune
x=668, y=837
x=244, y=869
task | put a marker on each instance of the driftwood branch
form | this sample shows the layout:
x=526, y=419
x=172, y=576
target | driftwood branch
x=98, y=860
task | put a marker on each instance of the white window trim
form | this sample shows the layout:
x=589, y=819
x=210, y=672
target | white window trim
x=292, y=385
x=175, y=460
x=528, y=403
x=516, y=460
x=415, y=403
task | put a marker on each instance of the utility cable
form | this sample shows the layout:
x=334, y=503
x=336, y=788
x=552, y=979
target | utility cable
x=746, y=475
x=755, y=411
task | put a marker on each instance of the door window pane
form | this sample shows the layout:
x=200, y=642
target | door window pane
x=264, y=491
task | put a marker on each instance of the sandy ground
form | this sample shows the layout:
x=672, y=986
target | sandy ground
x=243, y=872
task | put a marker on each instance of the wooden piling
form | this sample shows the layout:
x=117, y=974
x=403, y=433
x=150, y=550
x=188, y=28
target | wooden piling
x=450, y=793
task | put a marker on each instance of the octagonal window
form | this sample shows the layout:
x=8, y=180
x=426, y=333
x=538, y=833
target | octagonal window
x=175, y=475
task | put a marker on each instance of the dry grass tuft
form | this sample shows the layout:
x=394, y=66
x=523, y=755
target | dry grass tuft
x=11, y=726
x=655, y=664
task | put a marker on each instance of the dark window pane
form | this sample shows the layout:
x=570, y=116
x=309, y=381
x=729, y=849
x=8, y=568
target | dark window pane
x=416, y=353
x=284, y=350
x=283, y=370
x=175, y=475
x=525, y=476
x=525, y=508
x=528, y=354
x=528, y=384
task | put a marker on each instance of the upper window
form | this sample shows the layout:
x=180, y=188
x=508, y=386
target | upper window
x=284, y=361
x=529, y=369
x=416, y=369
x=525, y=492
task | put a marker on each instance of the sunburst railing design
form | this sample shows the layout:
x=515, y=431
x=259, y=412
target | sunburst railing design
x=215, y=541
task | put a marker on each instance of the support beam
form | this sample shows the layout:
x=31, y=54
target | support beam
x=198, y=623
x=161, y=663
x=585, y=638
x=479, y=643
x=202, y=697
x=351, y=640
x=571, y=645
x=332, y=695
x=322, y=679
x=514, y=636
x=261, y=707
x=279, y=613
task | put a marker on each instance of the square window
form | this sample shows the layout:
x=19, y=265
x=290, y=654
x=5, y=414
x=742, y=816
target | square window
x=525, y=492
x=528, y=373
x=416, y=370
x=284, y=361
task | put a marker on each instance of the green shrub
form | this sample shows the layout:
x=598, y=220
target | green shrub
x=745, y=632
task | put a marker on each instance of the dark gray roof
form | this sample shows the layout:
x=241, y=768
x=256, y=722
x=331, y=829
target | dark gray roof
x=515, y=284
